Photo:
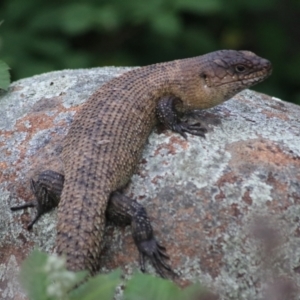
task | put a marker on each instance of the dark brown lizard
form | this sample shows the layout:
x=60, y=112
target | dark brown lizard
x=105, y=141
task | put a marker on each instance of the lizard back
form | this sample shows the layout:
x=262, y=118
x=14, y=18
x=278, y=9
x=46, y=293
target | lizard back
x=100, y=153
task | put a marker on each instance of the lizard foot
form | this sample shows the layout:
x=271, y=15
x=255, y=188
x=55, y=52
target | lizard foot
x=123, y=210
x=157, y=255
x=194, y=128
x=168, y=113
x=47, y=190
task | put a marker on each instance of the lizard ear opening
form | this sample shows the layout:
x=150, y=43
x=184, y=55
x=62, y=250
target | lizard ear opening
x=204, y=77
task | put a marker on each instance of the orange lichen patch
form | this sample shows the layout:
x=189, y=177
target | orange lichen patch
x=16, y=89
x=208, y=252
x=244, y=99
x=24, y=190
x=278, y=108
x=273, y=161
x=111, y=257
x=39, y=120
x=3, y=165
x=246, y=198
x=222, y=215
x=276, y=114
x=125, y=252
x=171, y=145
x=2, y=144
x=235, y=211
x=297, y=234
x=279, y=203
x=274, y=109
x=176, y=139
x=212, y=261
x=211, y=254
x=296, y=198
x=259, y=151
x=156, y=179
x=5, y=135
x=8, y=250
x=268, y=99
x=25, y=218
x=277, y=184
x=220, y=196
x=6, y=177
x=229, y=177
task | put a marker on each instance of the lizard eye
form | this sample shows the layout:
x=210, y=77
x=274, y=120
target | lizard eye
x=240, y=68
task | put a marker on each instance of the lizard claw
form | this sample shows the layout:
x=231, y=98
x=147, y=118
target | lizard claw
x=195, y=129
x=156, y=253
x=26, y=205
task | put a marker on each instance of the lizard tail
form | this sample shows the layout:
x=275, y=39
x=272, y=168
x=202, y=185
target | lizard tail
x=80, y=229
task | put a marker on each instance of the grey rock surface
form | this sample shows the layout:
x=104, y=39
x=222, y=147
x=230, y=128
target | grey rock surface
x=226, y=207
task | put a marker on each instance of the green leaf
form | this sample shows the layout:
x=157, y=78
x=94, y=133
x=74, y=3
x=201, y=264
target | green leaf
x=196, y=291
x=32, y=277
x=99, y=287
x=44, y=277
x=4, y=75
x=147, y=287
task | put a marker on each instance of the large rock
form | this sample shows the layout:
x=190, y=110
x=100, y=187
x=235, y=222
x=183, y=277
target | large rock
x=226, y=207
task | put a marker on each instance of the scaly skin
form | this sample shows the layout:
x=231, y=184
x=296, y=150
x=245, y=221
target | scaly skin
x=106, y=139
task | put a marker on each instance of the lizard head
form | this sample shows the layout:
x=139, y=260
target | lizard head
x=231, y=71
x=224, y=73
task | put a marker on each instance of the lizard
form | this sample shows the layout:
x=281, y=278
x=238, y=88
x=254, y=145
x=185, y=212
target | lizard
x=106, y=138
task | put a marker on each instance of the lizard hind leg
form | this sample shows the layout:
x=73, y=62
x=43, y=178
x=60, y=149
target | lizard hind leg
x=47, y=191
x=123, y=210
x=168, y=113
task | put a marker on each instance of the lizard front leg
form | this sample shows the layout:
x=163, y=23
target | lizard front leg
x=168, y=113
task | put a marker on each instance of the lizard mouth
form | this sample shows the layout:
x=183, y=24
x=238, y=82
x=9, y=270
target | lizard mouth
x=259, y=76
x=250, y=79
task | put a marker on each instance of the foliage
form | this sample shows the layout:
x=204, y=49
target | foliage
x=48, y=35
x=44, y=277
x=4, y=75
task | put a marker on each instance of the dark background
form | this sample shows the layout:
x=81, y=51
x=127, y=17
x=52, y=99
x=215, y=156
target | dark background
x=40, y=36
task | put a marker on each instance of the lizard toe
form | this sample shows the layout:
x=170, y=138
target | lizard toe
x=156, y=254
